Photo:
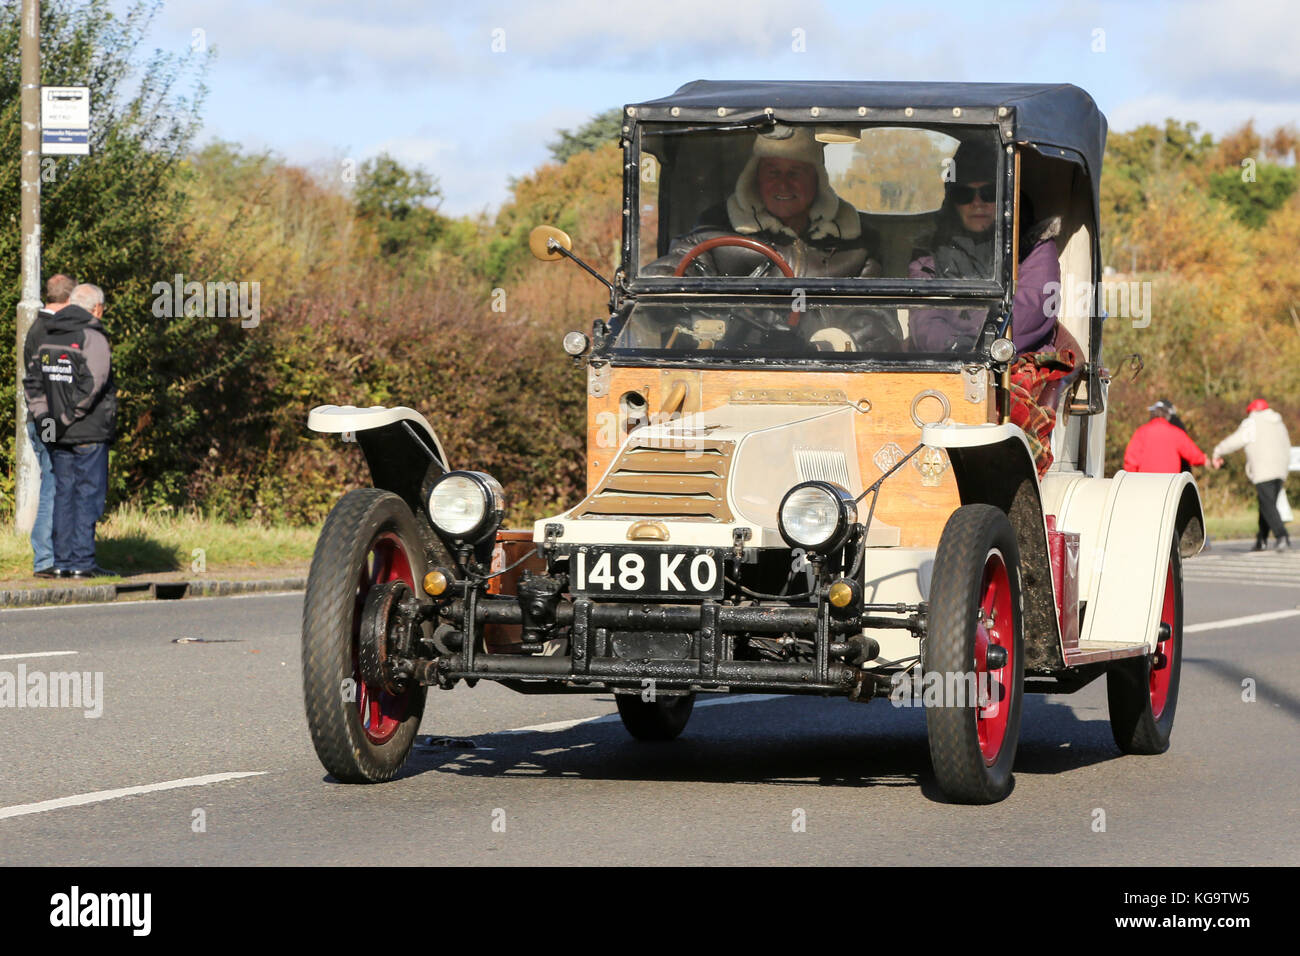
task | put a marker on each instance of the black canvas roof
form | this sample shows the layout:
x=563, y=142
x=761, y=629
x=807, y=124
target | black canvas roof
x=1058, y=116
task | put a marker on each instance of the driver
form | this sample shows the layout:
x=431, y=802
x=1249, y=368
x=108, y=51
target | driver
x=783, y=198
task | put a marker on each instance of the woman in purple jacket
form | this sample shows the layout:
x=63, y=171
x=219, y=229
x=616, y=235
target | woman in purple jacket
x=963, y=249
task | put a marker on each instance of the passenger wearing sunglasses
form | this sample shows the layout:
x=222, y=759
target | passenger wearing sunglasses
x=962, y=248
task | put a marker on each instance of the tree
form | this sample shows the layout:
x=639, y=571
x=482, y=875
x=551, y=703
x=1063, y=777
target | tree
x=602, y=128
x=1138, y=162
x=396, y=200
x=112, y=218
x=1253, y=198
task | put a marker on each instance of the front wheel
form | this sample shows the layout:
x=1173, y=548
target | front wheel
x=974, y=656
x=362, y=732
x=663, y=718
x=1142, y=692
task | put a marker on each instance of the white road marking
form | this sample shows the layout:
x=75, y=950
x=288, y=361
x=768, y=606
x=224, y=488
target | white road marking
x=1233, y=569
x=1223, y=578
x=99, y=796
x=100, y=605
x=14, y=657
x=1239, y=621
x=739, y=699
x=559, y=725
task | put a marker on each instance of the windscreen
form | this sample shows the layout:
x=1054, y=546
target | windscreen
x=838, y=201
x=797, y=327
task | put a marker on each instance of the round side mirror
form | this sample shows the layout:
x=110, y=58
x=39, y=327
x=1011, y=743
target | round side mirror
x=540, y=239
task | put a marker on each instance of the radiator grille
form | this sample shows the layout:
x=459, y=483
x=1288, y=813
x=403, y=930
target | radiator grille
x=648, y=482
x=814, y=464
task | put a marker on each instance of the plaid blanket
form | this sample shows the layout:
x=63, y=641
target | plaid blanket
x=1033, y=398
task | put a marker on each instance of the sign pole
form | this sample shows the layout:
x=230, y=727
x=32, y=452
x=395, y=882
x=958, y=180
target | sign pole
x=27, y=476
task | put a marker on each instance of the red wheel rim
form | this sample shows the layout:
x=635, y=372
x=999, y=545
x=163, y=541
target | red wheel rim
x=1163, y=659
x=381, y=712
x=995, y=627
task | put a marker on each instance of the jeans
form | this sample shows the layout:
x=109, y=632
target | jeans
x=1268, y=516
x=80, y=490
x=43, y=529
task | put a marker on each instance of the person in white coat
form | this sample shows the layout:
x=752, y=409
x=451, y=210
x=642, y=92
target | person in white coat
x=1268, y=452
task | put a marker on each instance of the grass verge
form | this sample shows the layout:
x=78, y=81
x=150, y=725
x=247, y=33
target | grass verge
x=136, y=542
x=1236, y=524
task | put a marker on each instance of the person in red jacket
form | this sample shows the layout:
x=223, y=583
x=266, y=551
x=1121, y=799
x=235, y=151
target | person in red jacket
x=1160, y=445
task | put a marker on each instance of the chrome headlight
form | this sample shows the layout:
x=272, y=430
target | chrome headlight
x=817, y=515
x=466, y=505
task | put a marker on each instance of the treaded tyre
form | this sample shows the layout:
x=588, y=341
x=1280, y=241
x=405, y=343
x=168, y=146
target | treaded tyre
x=1142, y=692
x=975, y=605
x=362, y=734
x=661, y=719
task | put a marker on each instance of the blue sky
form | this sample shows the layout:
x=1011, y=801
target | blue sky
x=322, y=81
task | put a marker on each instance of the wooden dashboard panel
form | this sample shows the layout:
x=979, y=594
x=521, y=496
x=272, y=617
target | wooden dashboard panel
x=918, y=498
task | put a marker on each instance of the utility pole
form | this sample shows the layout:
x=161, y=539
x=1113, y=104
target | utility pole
x=27, y=476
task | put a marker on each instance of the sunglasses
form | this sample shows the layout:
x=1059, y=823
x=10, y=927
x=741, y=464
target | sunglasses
x=962, y=195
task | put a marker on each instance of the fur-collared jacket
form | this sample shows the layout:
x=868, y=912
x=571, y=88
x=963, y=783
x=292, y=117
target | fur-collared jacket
x=835, y=243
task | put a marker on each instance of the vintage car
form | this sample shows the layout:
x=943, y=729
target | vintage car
x=807, y=471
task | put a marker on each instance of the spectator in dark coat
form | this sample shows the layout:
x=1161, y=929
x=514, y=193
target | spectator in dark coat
x=73, y=398
x=57, y=289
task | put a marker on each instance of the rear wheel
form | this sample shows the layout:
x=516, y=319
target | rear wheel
x=663, y=718
x=974, y=656
x=362, y=732
x=1142, y=692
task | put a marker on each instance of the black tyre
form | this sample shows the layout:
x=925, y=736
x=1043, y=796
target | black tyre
x=661, y=719
x=1142, y=692
x=975, y=605
x=362, y=734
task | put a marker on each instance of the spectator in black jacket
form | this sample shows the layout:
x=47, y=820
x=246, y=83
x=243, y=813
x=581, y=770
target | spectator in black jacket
x=73, y=402
x=57, y=290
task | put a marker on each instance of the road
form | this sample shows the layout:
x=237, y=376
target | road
x=732, y=790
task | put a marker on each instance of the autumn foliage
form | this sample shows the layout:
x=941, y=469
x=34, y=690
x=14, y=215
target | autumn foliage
x=369, y=295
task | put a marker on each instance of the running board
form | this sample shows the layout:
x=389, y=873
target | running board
x=1096, y=652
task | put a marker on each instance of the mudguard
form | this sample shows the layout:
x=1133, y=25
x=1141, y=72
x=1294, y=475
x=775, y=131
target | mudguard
x=993, y=465
x=1126, y=525
x=399, y=444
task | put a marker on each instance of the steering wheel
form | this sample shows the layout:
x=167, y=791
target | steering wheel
x=745, y=243
x=752, y=244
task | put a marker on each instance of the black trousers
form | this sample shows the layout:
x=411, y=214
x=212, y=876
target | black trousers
x=1269, y=519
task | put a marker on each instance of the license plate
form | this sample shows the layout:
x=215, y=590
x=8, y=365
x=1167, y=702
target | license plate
x=649, y=573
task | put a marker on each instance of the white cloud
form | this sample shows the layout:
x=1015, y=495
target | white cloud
x=584, y=34
x=322, y=40
x=1215, y=115
x=1221, y=48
